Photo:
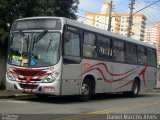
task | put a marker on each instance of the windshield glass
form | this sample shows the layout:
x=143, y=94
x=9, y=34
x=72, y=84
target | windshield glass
x=34, y=49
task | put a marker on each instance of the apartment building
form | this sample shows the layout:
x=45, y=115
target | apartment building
x=152, y=36
x=119, y=22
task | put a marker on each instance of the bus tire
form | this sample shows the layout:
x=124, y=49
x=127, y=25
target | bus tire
x=135, y=89
x=85, y=91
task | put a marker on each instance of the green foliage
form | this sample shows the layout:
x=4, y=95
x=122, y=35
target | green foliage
x=2, y=85
x=11, y=10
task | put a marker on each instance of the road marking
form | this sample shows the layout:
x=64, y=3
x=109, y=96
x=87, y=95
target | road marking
x=111, y=110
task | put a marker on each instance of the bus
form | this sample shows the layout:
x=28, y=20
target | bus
x=59, y=56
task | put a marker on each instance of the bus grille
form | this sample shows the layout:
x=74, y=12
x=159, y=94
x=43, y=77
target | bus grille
x=29, y=72
x=27, y=86
x=23, y=79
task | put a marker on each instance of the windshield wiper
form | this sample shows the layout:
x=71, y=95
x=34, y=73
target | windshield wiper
x=25, y=38
x=40, y=36
x=23, y=35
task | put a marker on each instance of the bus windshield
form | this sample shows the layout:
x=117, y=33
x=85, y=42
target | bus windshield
x=36, y=49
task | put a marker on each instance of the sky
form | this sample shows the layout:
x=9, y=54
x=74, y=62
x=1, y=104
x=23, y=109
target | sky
x=121, y=6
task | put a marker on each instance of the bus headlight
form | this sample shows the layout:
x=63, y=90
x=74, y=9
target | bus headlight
x=10, y=76
x=50, y=78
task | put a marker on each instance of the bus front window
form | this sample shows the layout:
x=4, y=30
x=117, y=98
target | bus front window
x=34, y=49
x=18, y=52
x=45, y=49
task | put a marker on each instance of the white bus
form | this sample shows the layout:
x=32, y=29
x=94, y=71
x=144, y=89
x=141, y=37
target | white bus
x=59, y=56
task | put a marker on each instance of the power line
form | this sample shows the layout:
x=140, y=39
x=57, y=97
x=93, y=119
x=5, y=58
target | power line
x=91, y=19
x=85, y=11
x=147, y=6
x=152, y=16
x=115, y=14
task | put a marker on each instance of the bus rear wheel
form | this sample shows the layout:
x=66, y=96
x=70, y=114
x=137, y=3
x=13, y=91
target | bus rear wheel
x=135, y=89
x=85, y=91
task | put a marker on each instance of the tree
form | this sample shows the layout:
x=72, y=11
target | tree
x=11, y=10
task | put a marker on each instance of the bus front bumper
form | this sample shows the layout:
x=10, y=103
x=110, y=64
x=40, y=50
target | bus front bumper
x=34, y=88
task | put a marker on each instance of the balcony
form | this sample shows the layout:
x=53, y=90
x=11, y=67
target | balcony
x=117, y=28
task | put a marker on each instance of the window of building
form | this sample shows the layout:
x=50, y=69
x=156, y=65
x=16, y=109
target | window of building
x=118, y=51
x=104, y=47
x=142, y=55
x=131, y=52
x=89, y=48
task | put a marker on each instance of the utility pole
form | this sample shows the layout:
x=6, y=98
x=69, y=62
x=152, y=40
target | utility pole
x=130, y=19
x=110, y=16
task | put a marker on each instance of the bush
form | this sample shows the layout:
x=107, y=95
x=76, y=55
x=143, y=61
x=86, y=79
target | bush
x=2, y=85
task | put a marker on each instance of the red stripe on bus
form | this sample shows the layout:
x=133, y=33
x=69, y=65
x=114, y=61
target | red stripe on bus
x=105, y=79
x=112, y=74
x=124, y=85
x=142, y=73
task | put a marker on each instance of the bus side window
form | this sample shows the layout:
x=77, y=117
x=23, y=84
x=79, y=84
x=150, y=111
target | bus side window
x=151, y=57
x=118, y=51
x=131, y=53
x=142, y=55
x=103, y=47
x=72, y=44
x=89, y=48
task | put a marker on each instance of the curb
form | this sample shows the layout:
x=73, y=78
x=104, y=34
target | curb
x=14, y=96
x=5, y=97
x=155, y=90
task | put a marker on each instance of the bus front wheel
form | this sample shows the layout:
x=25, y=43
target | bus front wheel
x=85, y=91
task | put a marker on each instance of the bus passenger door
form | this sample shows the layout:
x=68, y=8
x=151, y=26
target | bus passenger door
x=71, y=70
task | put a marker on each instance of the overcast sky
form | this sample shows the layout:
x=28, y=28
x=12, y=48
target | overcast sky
x=122, y=6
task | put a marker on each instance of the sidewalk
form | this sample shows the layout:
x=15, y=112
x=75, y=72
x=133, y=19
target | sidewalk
x=10, y=94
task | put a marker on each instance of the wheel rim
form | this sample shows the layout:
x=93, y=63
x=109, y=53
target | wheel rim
x=135, y=88
x=85, y=89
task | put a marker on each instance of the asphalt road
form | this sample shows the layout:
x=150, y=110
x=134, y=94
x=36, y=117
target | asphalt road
x=69, y=108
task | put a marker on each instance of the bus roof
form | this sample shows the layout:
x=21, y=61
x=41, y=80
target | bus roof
x=93, y=29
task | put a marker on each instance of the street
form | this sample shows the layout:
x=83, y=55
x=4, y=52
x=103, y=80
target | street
x=100, y=104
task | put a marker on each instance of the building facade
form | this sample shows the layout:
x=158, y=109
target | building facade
x=119, y=22
x=152, y=36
